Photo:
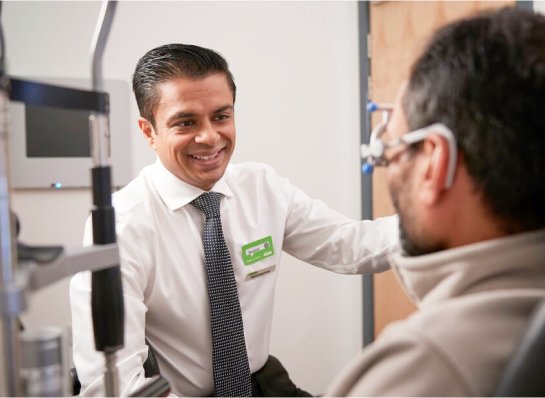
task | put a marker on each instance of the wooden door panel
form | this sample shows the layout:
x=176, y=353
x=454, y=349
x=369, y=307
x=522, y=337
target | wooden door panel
x=399, y=31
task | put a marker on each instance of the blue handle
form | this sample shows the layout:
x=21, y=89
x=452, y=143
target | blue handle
x=372, y=106
x=367, y=168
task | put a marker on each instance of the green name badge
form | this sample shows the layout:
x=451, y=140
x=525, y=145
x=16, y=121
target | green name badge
x=257, y=251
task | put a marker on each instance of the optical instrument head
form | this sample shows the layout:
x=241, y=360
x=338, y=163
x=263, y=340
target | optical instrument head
x=374, y=152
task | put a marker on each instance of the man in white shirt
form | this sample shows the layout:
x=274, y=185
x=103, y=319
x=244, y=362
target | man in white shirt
x=186, y=98
x=465, y=152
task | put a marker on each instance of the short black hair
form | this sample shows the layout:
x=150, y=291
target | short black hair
x=484, y=77
x=170, y=61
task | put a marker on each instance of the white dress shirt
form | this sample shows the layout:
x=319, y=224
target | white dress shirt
x=164, y=278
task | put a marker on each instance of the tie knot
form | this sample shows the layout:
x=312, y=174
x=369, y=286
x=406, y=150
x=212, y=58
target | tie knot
x=208, y=203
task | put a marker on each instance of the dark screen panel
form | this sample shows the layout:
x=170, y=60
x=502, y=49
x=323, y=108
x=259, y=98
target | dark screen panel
x=56, y=132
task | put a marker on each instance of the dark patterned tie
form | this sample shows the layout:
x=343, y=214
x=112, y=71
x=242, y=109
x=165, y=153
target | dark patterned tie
x=229, y=358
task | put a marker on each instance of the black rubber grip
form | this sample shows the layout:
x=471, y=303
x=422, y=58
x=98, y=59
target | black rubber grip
x=101, y=178
x=107, y=290
x=103, y=214
x=107, y=308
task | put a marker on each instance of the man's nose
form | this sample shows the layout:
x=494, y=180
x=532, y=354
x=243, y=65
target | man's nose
x=207, y=135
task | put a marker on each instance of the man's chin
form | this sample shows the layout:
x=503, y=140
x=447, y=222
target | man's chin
x=409, y=244
x=413, y=248
x=207, y=180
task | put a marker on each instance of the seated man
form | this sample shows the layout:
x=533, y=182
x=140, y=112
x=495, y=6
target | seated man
x=471, y=207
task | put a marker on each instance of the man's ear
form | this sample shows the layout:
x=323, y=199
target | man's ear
x=436, y=151
x=149, y=132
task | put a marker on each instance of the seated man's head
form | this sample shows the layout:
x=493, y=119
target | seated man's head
x=483, y=78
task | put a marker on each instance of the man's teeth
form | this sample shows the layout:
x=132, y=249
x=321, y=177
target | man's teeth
x=206, y=157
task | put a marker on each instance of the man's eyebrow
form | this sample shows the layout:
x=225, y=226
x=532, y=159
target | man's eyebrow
x=179, y=115
x=182, y=114
x=224, y=108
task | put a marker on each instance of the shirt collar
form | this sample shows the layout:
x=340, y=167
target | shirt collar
x=177, y=193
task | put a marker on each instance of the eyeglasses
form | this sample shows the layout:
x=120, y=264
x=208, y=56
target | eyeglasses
x=374, y=152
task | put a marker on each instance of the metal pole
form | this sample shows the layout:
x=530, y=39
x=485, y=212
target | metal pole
x=104, y=24
x=366, y=180
x=10, y=297
x=106, y=287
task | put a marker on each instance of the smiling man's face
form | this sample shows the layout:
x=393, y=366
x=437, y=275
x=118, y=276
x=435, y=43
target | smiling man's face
x=194, y=132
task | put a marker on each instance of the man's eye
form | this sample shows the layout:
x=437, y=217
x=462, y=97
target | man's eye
x=185, y=123
x=222, y=117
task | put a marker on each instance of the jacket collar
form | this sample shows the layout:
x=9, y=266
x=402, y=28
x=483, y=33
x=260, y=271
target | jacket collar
x=515, y=261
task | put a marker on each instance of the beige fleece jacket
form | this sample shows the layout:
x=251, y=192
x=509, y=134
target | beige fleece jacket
x=474, y=305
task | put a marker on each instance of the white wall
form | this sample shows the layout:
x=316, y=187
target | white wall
x=296, y=68
x=539, y=6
